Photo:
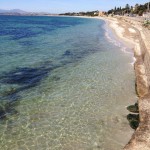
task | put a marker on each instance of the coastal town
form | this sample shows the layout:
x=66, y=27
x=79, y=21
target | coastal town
x=139, y=12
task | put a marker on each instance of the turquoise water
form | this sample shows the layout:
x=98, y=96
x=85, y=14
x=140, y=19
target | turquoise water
x=64, y=84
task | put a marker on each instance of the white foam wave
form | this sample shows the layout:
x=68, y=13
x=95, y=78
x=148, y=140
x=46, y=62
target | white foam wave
x=118, y=44
x=124, y=49
x=134, y=60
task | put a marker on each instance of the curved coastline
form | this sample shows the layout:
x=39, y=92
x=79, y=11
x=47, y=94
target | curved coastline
x=126, y=32
x=138, y=38
x=79, y=97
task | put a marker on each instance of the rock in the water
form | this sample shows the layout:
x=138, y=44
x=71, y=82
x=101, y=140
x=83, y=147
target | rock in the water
x=67, y=53
x=133, y=120
x=134, y=124
x=133, y=108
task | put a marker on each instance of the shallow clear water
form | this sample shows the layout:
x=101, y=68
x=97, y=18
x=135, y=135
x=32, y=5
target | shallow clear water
x=64, y=84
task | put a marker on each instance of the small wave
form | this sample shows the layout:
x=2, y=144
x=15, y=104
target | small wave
x=134, y=60
x=118, y=44
x=124, y=49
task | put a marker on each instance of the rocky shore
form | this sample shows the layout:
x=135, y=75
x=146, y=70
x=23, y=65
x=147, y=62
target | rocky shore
x=137, y=37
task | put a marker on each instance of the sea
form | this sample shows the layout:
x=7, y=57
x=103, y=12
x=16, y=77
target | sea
x=65, y=83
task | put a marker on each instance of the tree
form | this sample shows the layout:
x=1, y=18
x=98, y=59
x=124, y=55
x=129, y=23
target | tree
x=110, y=11
x=138, y=9
x=127, y=8
x=136, y=5
x=118, y=9
x=132, y=9
x=140, y=13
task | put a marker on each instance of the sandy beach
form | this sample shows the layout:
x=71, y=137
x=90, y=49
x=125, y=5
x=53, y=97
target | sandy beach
x=137, y=37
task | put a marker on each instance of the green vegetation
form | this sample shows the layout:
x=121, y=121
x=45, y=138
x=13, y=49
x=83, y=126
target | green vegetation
x=137, y=10
x=89, y=13
x=146, y=23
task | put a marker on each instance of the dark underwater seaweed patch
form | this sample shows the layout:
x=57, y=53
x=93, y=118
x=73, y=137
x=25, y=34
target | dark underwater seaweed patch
x=67, y=53
x=28, y=77
x=18, y=33
x=8, y=53
x=25, y=78
x=26, y=43
x=78, y=55
x=8, y=108
x=24, y=27
x=22, y=31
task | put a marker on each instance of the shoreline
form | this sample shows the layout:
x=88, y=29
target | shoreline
x=136, y=37
x=125, y=33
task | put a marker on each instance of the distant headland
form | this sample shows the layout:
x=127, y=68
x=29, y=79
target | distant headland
x=19, y=12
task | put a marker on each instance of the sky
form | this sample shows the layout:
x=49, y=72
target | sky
x=61, y=6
